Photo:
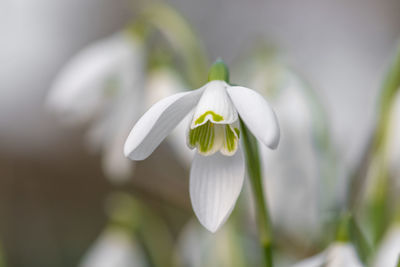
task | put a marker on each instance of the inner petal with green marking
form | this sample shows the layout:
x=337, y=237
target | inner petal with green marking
x=210, y=137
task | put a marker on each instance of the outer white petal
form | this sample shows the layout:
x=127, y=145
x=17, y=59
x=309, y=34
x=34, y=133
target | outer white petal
x=389, y=250
x=215, y=99
x=178, y=141
x=256, y=114
x=162, y=83
x=80, y=89
x=158, y=122
x=215, y=184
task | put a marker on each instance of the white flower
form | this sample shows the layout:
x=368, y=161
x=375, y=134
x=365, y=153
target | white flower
x=389, y=251
x=96, y=74
x=106, y=85
x=293, y=179
x=297, y=170
x=217, y=171
x=114, y=248
x=99, y=84
x=336, y=255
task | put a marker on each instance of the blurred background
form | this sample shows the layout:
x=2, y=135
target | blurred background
x=54, y=193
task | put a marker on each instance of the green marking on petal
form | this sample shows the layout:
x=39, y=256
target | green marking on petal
x=203, y=137
x=215, y=117
x=237, y=132
x=209, y=138
x=230, y=139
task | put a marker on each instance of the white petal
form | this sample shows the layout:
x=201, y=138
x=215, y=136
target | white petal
x=158, y=122
x=216, y=100
x=389, y=250
x=178, y=142
x=215, y=184
x=80, y=89
x=163, y=82
x=256, y=114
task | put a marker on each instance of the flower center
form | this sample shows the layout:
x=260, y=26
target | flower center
x=210, y=137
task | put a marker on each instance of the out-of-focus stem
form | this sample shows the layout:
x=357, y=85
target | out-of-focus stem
x=254, y=172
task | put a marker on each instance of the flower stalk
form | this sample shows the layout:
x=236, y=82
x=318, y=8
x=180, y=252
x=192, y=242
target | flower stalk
x=252, y=157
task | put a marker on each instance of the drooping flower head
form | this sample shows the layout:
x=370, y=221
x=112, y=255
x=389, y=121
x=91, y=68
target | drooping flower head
x=300, y=172
x=217, y=171
x=108, y=85
x=94, y=87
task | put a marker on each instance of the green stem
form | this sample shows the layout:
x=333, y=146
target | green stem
x=254, y=172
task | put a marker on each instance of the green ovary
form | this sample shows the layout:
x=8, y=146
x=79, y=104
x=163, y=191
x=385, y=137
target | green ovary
x=210, y=137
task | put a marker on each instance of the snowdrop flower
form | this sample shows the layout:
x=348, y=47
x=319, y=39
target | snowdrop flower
x=295, y=171
x=388, y=253
x=106, y=85
x=292, y=188
x=99, y=84
x=336, y=255
x=114, y=248
x=218, y=168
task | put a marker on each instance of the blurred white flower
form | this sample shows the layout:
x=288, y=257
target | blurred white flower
x=98, y=73
x=336, y=255
x=198, y=248
x=107, y=85
x=216, y=179
x=293, y=174
x=103, y=83
x=388, y=253
x=114, y=248
x=292, y=179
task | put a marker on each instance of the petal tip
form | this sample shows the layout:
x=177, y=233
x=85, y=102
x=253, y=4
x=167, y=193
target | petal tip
x=211, y=226
x=126, y=150
x=132, y=153
x=275, y=142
